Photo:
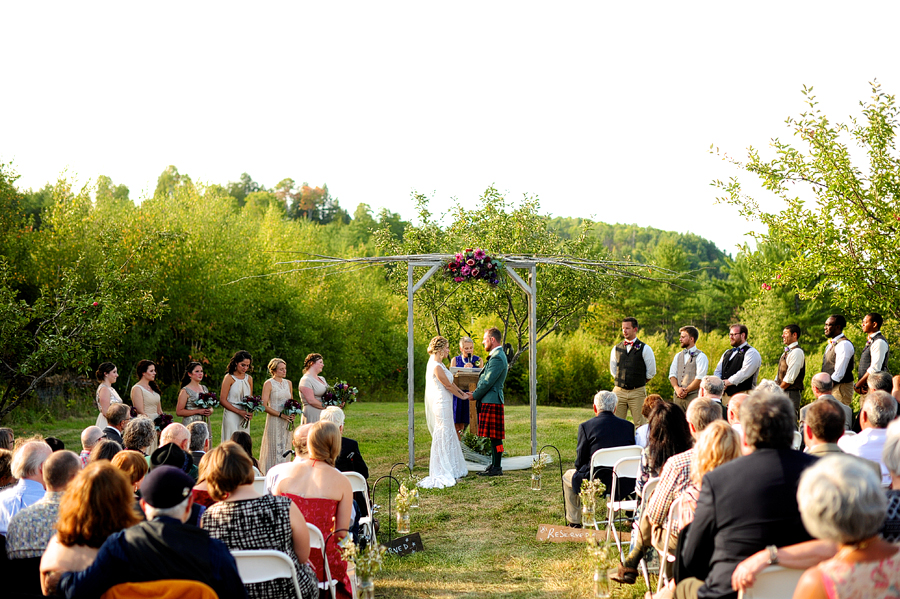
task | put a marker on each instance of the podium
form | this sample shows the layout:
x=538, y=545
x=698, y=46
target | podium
x=467, y=379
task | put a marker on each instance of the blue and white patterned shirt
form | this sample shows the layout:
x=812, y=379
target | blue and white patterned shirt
x=30, y=530
x=12, y=501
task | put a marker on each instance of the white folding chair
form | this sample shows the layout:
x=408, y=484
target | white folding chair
x=260, y=565
x=646, y=495
x=848, y=433
x=607, y=458
x=317, y=541
x=798, y=440
x=359, y=485
x=774, y=582
x=671, y=523
x=259, y=484
x=624, y=468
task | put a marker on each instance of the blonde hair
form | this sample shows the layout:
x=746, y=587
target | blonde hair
x=466, y=340
x=273, y=365
x=324, y=442
x=437, y=344
x=718, y=444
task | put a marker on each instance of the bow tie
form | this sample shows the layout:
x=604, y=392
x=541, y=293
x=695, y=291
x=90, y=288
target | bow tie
x=627, y=343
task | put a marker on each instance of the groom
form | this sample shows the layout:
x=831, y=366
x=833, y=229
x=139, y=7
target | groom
x=489, y=397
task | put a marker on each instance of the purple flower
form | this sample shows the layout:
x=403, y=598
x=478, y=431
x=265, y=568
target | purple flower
x=459, y=257
x=458, y=279
x=465, y=271
x=490, y=265
x=479, y=254
x=475, y=272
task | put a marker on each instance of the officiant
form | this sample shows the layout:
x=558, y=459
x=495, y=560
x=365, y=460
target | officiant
x=465, y=359
x=489, y=398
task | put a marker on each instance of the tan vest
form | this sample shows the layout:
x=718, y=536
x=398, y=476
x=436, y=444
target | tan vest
x=686, y=372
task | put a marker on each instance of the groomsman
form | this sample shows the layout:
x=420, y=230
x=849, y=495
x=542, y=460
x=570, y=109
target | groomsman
x=874, y=357
x=838, y=358
x=739, y=366
x=688, y=367
x=792, y=366
x=632, y=364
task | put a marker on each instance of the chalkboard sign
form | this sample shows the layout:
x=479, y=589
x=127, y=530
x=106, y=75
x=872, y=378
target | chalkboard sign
x=406, y=545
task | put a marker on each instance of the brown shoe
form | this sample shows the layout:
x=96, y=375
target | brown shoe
x=625, y=575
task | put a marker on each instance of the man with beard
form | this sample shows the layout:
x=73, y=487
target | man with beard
x=688, y=368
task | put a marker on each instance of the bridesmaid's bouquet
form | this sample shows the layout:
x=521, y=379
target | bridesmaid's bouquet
x=207, y=401
x=292, y=407
x=250, y=403
x=340, y=393
x=162, y=421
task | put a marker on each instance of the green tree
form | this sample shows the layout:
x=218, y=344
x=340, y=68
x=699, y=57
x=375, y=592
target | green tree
x=840, y=223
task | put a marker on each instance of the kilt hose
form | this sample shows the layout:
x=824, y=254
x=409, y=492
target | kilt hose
x=490, y=421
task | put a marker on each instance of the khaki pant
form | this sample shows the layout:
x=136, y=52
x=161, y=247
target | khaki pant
x=631, y=400
x=684, y=403
x=688, y=588
x=573, y=501
x=843, y=393
x=648, y=534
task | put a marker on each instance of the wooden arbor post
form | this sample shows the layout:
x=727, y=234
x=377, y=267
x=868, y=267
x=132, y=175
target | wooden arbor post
x=530, y=289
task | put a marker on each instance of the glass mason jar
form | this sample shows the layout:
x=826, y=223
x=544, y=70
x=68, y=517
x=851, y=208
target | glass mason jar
x=414, y=497
x=366, y=588
x=402, y=522
x=587, y=516
x=535, y=481
x=601, y=582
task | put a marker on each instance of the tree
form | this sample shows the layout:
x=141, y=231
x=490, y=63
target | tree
x=239, y=190
x=842, y=210
x=108, y=194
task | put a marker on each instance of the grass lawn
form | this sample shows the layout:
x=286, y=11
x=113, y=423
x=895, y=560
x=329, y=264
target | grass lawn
x=479, y=536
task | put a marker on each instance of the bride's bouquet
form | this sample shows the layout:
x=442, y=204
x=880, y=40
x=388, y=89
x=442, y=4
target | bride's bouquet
x=340, y=394
x=250, y=403
x=207, y=401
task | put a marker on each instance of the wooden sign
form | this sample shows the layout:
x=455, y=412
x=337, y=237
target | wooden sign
x=406, y=545
x=566, y=534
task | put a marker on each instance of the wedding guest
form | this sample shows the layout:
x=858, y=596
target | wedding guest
x=104, y=450
x=641, y=432
x=54, y=443
x=7, y=480
x=841, y=501
x=890, y=456
x=276, y=522
x=350, y=458
x=236, y=385
x=465, y=359
x=669, y=434
x=175, y=434
x=200, y=439
x=139, y=435
x=31, y=528
x=312, y=388
x=89, y=438
x=117, y=417
x=145, y=394
x=301, y=452
x=324, y=496
x=97, y=503
x=718, y=444
x=277, y=435
x=244, y=439
x=134, y=465
x=28, y=468
x=106, y=395
x=200, y=492
x=6, y=438
x=186, y=406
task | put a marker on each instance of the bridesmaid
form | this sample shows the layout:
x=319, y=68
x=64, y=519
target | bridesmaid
x=106, y=374
x=236, y=385
x=465, y=359
x=279, y=428
x=312, y=387
x=190, y=392
x=145, y=395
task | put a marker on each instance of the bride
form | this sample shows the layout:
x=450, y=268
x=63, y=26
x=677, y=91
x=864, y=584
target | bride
x=446, y=463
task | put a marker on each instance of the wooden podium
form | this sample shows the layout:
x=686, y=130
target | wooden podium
x=467, y=379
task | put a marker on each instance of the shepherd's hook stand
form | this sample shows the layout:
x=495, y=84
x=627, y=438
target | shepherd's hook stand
x=559, y=460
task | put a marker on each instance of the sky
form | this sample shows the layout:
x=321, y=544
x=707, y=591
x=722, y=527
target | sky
x=601, y=111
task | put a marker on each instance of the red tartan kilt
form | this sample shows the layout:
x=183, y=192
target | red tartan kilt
x=490, y=421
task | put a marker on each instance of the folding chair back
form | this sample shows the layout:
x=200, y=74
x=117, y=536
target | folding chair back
x=317, y=541
x=624, y=468
x=671, y=525
x=607, y=458
x=261, y=565
x=359, y=485
x=798, y=440
x=774, y=582
x=648, y=490
x=259, y=484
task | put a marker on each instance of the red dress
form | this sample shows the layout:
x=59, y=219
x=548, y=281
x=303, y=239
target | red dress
x=322, y=513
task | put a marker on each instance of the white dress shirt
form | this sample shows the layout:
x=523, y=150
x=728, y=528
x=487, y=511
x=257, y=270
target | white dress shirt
x=795, y=360
x=750, y=367
x=647, y=353
x=877, y=350
x=700, y=358
x=843, y=351
x=868, y=444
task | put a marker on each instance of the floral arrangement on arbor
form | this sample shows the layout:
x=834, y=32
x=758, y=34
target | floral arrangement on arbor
x=340, y=394
x=250, y=403
x=473, y=265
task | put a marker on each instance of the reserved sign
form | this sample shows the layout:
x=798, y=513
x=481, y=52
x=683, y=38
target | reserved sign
x=566, y=534
x=405, y=545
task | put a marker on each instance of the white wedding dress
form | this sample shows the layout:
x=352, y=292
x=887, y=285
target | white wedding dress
x=446, y=463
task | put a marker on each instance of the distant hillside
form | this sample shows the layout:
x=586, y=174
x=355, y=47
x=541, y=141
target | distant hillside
x=640, y=243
